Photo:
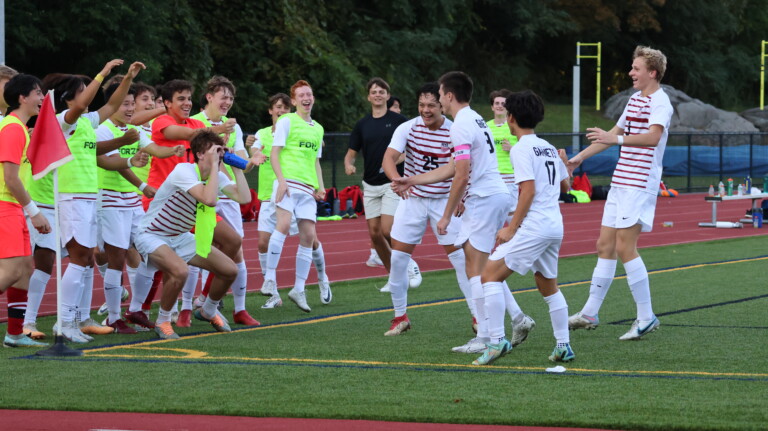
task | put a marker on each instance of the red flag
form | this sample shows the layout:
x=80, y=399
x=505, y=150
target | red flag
x=48, y=148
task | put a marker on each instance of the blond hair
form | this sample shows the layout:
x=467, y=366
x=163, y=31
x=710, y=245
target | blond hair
x=654, y=60
x=7, y=72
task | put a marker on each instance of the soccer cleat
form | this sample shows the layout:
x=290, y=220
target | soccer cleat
x=218, y=322
x=174, y=317
x=493, y=352
x=92, y=327
x=640, y=328
x=300, y=299
x=185, y=319
x=273, y=302
x=473, y=346
x=374, y=260
x=399, y=325
x=120, y=327
x=165, y=331
x=21, y=340
x=126, y=294
x=31, y=330
x=138, y=318
x=198, y=302
x=385, y=289
x=414, y=275
x=325, y=290
x=474, y=325
x=521, y=330
x=562, y=354
x=71, y=332
x=582, y=321
x=269, y=288
x=242, y=317
x=103, y=309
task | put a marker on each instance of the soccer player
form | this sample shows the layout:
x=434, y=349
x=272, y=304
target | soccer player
x=531, y=241
x=504, y=140
x=642, y=132
x=279, y=104
x=185, y=199
x=6, y=73
x=371, y=136
x=22, y=97
x=426, y=143
x=295, y=160
x=394, y=105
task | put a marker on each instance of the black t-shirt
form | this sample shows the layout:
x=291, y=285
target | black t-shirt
x=371, y=137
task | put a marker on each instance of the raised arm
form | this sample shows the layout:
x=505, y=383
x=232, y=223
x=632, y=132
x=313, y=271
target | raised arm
x=81, y=102
x=114, y=102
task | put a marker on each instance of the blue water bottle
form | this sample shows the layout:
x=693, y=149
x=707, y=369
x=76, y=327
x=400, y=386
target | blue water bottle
x=748, y=185
x=234, y=160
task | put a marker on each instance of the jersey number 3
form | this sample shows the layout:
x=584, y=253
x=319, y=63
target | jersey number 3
x=490, y=142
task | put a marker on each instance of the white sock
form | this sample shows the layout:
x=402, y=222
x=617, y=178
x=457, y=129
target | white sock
x=210, y=307
x=479, y=297
x=163, y=316
x=239, y=286
x=303, y=262
x=113, y=293
x=276, y=242
x=602, y=277
x=398, y=281
x=558, y=314
x=458, y=261
x=190, y=285
x=86, y=296
x=515, y=313
x=318, y=258
x=103, y=269
x=494, y=309
x=37, y=284
x=263, y=262
x=637, y=278
x=141, y=287
x=131, y=275
x=71, y=291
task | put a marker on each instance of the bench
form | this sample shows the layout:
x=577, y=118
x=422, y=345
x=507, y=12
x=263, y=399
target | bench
x=716, y=199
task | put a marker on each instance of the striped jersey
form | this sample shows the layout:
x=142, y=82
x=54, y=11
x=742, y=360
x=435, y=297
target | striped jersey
x=424, y=150
x=640, y=167
x=471, y=140
x=172, y=211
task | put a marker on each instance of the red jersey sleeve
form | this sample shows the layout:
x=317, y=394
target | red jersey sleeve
x=12, y=140
x=158, y=125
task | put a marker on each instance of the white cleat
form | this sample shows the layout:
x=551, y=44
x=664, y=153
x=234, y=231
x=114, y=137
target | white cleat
x=414, y=275
x=640, y=328
x=583, y=321
x=71, y=332
x=273, y=302
x=473, y=346
x=300, y=299
x=103, y=309
x=374, y=261
x=197, y=303
x=326, y=296
x=521, y=330
x=385, y=289
x=269, y=288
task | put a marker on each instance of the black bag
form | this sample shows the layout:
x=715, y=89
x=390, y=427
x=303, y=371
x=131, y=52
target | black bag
x=567, y=198
x=600, y=193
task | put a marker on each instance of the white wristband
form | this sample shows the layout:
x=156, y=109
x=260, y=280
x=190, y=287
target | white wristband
x=620, y=140
x=130, y=165
x=142, y=187
x=31, y=209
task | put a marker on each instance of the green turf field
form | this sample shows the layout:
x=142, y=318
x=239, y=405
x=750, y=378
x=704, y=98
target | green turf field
x=705, y=368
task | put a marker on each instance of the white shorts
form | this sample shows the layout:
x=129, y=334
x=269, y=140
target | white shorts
x=514, y=193
x=414, y=214
x=44, y=240
x=118, y=226
x=268, y=219
x=378, y=200
x=77, y=218
x=183, y=245
x=482, y=219
x=302, y=205
x=526, y=252
x=627, y=207
x=229, y=210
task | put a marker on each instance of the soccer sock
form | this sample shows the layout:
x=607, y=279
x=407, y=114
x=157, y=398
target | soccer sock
x=238, y=287
x=479, y=297
x=276, y=242
x=210, y=307
x=188, y=291
x=303, y=262
x=163, y=316
x=103, y=269
x=398, y=281
x=71, y=288
x=558, y=314
x=86, y=296
x=263, y=262
x=602, y=277
x=17, y=307
x=458, y=261
x=150, y=296
x=142, y=286
x=113, y=292
x=494, y=309
x=318, y=258
x=37, y=284
x=131, y=275
x=515, y=313
x=637, y=278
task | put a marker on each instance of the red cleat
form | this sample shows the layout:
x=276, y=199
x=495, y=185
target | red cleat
x=139, y=318
x=185, y=319
x=242, y=317
x=121, y=327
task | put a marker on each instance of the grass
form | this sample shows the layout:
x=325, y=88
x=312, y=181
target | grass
x=704, y=368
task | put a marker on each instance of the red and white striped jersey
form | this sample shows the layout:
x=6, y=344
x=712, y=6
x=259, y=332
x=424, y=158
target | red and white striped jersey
x=424, y=150
x=640, y=167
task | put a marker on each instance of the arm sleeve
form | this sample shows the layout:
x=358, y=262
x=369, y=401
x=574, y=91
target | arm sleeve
x=355, y=138
x=400, y=137
x=239, y=143
x=563, y=170
x=103, y=133
x=282, y=129
x=661, y=114
x=257, y=141
x=65, y=127
x=93, y=118
x=184, y=176
x=461, y=141
x=521, y=161
x=224, y=181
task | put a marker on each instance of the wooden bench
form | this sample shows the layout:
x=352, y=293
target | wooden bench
x=716, y=199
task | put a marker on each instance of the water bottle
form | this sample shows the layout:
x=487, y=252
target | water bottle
x=721, y=189
x=740, y=190
x=748, y=185
x=730, y=186
x=757, y=218
x=711, y=190
x=234, y=160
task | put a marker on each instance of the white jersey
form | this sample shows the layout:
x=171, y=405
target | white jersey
x=424, y=150
x=537, y=160
x=172, y=211
x=472, y=140
x=640, y=167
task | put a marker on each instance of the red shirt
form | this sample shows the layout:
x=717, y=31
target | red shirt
x=13, y=137
x=161, y=168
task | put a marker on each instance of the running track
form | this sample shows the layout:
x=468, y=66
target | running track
x=346, y=245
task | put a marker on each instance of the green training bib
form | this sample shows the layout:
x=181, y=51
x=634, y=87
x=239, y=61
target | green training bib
x=205, y=223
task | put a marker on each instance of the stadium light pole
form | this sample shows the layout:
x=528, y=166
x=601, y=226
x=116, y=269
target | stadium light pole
x=577, y=85
x=2, y=31
x=762, y=74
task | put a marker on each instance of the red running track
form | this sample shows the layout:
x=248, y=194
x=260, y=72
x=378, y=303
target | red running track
x=347, y=247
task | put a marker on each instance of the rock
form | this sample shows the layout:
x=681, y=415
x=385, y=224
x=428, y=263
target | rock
x=757, y=117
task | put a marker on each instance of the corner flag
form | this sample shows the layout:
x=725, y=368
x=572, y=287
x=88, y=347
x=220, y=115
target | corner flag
x=48, y=148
